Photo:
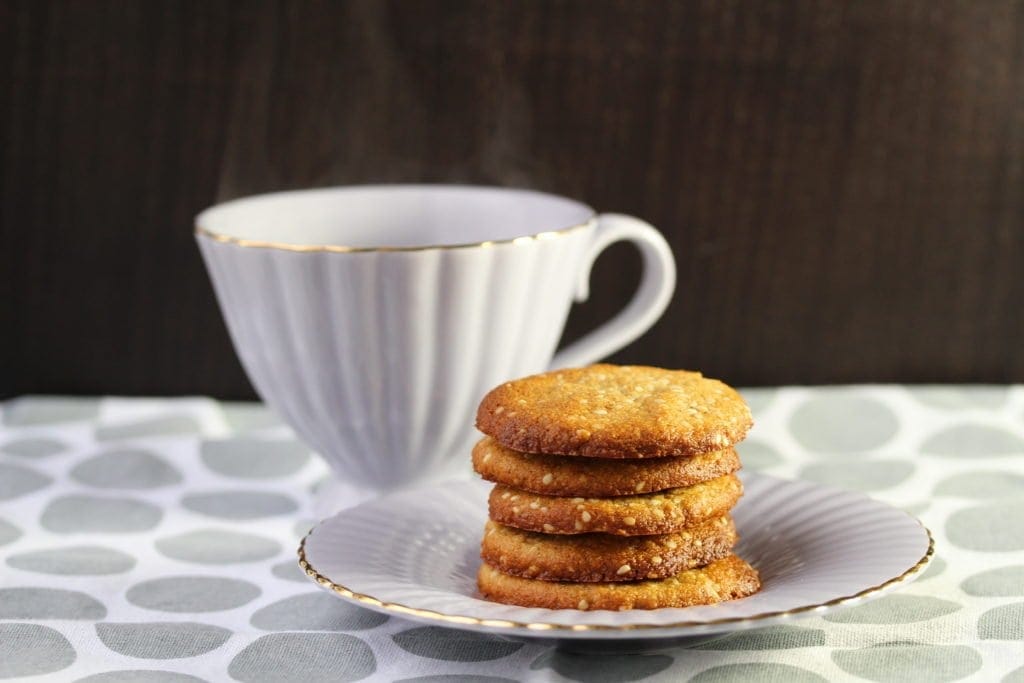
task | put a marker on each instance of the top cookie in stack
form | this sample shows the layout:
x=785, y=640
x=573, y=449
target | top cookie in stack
x=614, y=485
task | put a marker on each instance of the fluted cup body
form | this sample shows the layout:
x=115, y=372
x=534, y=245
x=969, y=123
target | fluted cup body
x=377, y=356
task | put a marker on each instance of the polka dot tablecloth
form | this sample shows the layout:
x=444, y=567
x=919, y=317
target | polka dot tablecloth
x=154, y=540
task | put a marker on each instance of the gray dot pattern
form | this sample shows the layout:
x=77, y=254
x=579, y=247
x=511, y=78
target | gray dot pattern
x=8, y=532
x=80, y=560
x=973, y=441
x=33, y=448
x=905, y=661
x=125, y=469
x=48, y=603
x=251, y=458
x=192, y=594
x=74, y=514
x=315, y=612
x=18, y=480
x=154, y=541
x=290, y=571
x=217, y=546
x=140, y=676
x=161, y=640
x=239, y=504
x=316, y=657
x=169, y=425
x=841, y=421
x=32, y=650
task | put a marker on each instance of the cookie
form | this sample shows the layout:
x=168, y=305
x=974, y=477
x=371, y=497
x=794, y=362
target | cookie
x=603, y=557
x=726, y=579
x=664, y=512
x=611, y=411
x=561, y=475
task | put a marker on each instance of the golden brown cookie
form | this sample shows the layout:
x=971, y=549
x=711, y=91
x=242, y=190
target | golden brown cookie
x=726, y=579
x=611, y=411
x=561, y=475
x=603, y=557
x=664, y=512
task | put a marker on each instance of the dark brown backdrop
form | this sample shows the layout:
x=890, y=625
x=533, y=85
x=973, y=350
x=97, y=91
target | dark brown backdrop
x=841, y=182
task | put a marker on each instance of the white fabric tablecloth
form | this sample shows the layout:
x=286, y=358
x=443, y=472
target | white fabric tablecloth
x=159, y=536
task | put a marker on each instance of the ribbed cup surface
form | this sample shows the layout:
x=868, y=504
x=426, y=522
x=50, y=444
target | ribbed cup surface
x=378, y=359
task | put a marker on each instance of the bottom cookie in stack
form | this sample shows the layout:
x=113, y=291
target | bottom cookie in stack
x=726, y=579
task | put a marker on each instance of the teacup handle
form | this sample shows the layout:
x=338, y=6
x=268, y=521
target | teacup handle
x=652, y=296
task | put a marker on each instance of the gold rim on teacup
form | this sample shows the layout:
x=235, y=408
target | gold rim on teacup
x=542, y=236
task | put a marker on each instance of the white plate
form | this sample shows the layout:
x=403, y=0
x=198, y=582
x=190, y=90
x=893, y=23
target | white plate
x=416, y=554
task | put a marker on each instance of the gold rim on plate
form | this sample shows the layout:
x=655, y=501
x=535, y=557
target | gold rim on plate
x=397, y=608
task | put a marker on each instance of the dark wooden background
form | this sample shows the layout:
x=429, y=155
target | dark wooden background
x=842, y=182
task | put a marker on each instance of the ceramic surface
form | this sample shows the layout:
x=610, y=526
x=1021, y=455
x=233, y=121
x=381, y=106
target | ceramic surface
x=817, y=548
x=373, y=319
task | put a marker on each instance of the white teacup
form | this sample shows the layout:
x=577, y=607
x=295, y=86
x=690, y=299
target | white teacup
x=373, y=319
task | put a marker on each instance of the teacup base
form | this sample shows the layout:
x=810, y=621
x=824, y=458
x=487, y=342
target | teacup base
x=334, y=494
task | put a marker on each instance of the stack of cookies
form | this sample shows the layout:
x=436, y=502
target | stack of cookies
x=613, y=490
